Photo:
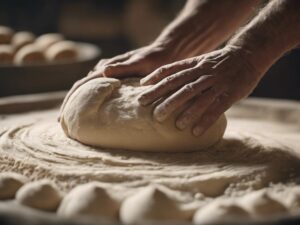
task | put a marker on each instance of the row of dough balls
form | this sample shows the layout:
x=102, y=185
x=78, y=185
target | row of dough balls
x=24, y=48
x=149, y=204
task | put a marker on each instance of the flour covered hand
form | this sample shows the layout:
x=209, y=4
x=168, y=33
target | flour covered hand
x=209, y=84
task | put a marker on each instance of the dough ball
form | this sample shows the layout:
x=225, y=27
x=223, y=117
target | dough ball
x=219, y=210
x=89, y=200
x=29, y=54
x=150, y=204
x=6, y=54
x=261, y=203
x=6, y=34
x=10, y=184
x=62, y=51
x=22, y=38
x=46, y=40
x=105, y=112
x=41, y=195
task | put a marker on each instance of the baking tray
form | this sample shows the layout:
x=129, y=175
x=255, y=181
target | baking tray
x=25, y=79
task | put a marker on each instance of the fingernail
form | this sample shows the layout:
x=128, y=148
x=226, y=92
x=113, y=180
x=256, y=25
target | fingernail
x=198, y=131
x=142, y=100
x=159, y=114
x=182, y=123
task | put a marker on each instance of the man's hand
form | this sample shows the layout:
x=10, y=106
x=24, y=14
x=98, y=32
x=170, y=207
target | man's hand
x=208, y=85
x=138, y=62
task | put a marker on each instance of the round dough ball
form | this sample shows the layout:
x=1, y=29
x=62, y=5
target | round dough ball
x=22, y=38
x=150, y=204
x=62, y=51
x=39, y=195
x=261, y=203
x=6, y=54
x=29, y=54
x=103, y=112
x=46, y=40
x=10, y=184
x=89, y=200
x=6, y=35
x=219, y=210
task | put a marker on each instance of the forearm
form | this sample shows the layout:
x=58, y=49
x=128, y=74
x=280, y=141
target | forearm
x=269, y=35
x=204, y=24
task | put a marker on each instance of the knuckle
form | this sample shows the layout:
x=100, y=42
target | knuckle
x=209, y=119
x=189, y=88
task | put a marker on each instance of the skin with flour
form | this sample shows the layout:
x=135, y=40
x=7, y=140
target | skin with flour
x=214, y=80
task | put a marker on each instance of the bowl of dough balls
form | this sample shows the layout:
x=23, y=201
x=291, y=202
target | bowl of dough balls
x=48, y=62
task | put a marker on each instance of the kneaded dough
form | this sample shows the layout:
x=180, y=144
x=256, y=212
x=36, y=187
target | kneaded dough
x=42, y=194
x=29, y=54
x=150, y=204
x=6, y=54
x=262, y=203
x=216, y=211
x=62, y=51
x=6, y=34
x=10, y=184
x=22, y=38
x=105, y=112
x=46, y=40
x=89, y=200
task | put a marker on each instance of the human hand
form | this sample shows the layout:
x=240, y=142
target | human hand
x=208, y=85
x=138, y=62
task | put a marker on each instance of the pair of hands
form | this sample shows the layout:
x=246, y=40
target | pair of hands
x=207, y=85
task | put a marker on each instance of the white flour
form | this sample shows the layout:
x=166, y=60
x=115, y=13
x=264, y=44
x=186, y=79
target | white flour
x=260, y=151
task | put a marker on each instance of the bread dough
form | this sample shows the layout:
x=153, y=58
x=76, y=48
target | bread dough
x=219, y=210
x=62, y=51
x=103, y=112
x=261, y=203
x=250, y=158
x=6, y=34
x=89, y=200
x=150, y=204
x=6, y=54
x=41, y=194
x=9, y=184
x=29, y=54
x=22, y=38
x=46, y=40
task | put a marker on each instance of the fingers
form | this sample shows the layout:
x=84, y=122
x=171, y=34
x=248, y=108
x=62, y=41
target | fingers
x=192, y=114
x=116, y=59
x=126, y=68
x=166, y=71
x=168, y=85
x=212, y=114
x=179, y=98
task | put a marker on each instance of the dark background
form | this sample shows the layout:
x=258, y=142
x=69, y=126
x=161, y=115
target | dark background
x=120, y=25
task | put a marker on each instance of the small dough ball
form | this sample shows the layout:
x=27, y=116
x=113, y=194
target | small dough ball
x=46, y=40
x=29, y=54
x=10, y=184
x=6, y=35
x=219, y=210
x=62, y=51
x=261, y=203
x=41, y=194
x=150, y=204
x=89, y=200
x=22, y=38
x=105, y=112
x=6, y=54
